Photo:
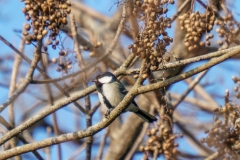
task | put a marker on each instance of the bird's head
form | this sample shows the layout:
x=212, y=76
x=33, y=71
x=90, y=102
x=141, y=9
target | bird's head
x=106, y=77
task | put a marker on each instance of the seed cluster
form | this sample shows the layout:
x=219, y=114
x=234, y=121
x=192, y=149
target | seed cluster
x=225, y=132
x=45, y=16
x=151, y=43
x=236, y=88
x=228, y=30
x=64, y=64
x=160, y=141
x=196, y=24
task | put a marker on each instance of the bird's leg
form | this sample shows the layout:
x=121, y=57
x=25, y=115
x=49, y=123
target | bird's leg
x=108, y=112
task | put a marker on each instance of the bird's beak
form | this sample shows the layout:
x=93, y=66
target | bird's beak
x=93, y=80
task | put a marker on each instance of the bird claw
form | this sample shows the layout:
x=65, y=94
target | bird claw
x=108, y=112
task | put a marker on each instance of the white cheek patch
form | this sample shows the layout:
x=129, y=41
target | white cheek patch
x=105, y=79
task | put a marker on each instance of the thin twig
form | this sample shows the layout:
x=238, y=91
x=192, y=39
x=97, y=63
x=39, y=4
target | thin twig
x=171, y=65
x=28, y=78
x=81, y=63
x=77, y=152
x=12, y=88
x=19, y=136
x=200, y=90
x=203, y=105
x=137, y=142
x=47, y=149
x=180, y=9
x=93, y=13
x=54, y=115
x=101, y=147
x=192, y=6
x=213, y=156
x=132, y=19
x=95, y=108
x=2, y=107
x=195, y=140
x=191, y=86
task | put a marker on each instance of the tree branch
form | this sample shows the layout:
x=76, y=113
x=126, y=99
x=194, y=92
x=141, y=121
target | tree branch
x=190, y=73
x=28, y=78
x=191, y=86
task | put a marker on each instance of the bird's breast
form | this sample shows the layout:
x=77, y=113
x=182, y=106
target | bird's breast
x=112, y=93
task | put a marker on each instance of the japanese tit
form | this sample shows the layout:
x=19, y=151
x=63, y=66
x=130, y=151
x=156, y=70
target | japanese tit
x=111, y=92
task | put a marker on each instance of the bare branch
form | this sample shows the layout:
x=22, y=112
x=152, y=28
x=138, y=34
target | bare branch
x=213, y=156
x=40, y=70
x=191, y=86
x=81, y=63
x=190, y=73
x=19, y=136
x=27, y=79
x=101, y=147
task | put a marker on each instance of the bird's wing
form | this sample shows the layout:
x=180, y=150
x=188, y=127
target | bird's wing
x=124, y=91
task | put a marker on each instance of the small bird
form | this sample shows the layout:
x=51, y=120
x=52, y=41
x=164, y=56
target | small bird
x=111, y=92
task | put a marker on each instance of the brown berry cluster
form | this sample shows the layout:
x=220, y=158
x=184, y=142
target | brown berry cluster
x=160, y=142
x=228, y=30
x=64, y=64
x=196, y=24
x=225, y=132
x=45, y=16
x=152, y=41
x=236, y=88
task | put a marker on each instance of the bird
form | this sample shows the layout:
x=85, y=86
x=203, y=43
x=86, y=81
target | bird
x=111, y=92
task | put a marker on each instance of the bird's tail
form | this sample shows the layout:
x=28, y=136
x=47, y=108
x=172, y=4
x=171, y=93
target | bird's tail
x=145, y=116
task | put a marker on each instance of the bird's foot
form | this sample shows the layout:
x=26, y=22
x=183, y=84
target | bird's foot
x=108, y=112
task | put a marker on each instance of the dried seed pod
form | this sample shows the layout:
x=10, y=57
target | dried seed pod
x=64, y=21
x=25, y=33
x=235, y=88
x=69, y=66
x=44, y=32
x=27, y=17
x=135, y=76
x=54, y=47
x=99, y=44
x=208, y=43
x=54, y=60
x=171, y=1
x=39, y=37
x=28, y=38
x=27, y=42
x=167, y=58
x=220, y=42
x=190, y=48
x=27, y=27
x=92, y=54
x=49, y=42
x=144, y=76
x=235, y=79
x=202, y=44
x=62, y=53
x=58, y=69
x=24, y=10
